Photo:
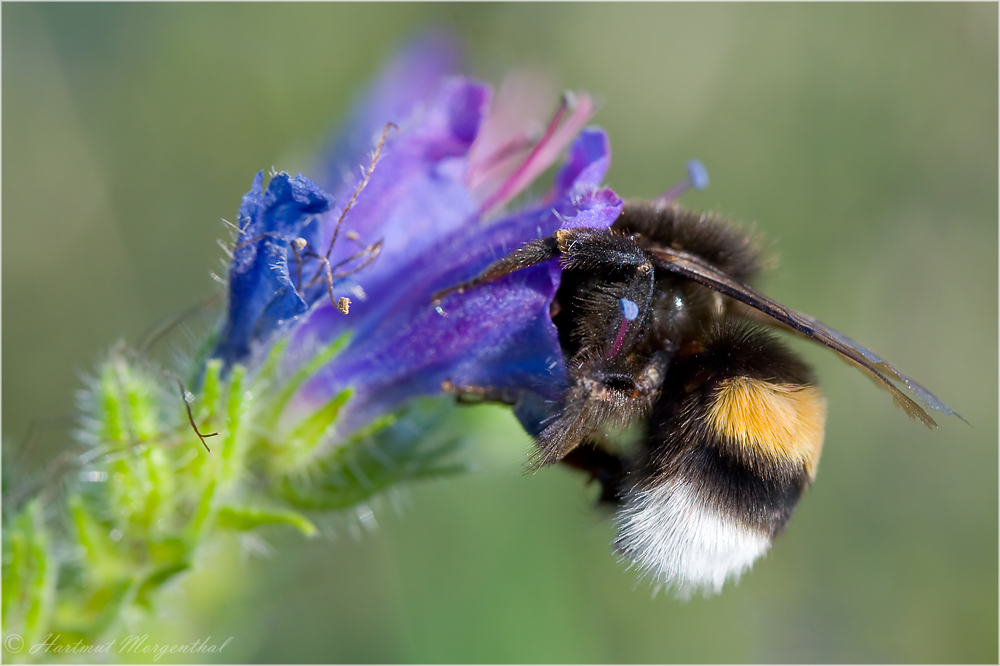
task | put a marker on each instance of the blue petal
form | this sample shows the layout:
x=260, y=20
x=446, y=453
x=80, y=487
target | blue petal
x=263, y=298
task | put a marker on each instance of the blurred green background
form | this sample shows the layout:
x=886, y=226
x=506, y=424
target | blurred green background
x=861, y=139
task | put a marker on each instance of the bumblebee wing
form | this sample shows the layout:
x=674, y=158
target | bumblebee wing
x=704, y=273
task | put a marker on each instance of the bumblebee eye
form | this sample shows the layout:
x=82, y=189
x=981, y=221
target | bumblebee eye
x=734, y=441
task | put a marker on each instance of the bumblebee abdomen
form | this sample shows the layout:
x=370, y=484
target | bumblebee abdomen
x=733, y=443
x=678, y=539
x=779, y=422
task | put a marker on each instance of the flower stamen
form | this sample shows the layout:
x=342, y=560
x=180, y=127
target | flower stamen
x=361, y=185
x=547, y=148
x=512, y=147
x=697, y=178
x=187, y=398
x=372, y=251
x=298, y=245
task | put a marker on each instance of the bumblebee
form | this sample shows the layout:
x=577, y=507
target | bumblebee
x=661, y=331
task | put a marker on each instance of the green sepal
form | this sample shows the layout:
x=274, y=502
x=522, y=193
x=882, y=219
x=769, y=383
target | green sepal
x=211, y=388
x=245, y=518
x=313, y=428
x=170, y=550
x=155, y=580
x=129, y=398
x=396, y=448
x=291, y=385
x=239, y=403
x=104, y=563
x=300, y=448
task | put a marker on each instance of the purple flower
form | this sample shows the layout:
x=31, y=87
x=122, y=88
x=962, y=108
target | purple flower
x=431, y=206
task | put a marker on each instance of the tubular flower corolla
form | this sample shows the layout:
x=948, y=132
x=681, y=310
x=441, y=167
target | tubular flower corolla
x=431, y=209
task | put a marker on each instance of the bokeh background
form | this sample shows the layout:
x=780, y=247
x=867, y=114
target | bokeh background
x=861, y=139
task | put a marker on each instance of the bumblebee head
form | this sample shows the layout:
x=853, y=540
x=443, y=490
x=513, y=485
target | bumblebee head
x=733, y=441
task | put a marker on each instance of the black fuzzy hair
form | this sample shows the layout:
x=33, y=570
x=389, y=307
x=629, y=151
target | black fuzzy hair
x=715, y=239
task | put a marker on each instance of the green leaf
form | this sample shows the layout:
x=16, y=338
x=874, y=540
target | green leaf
x=93, y=614
x=29, y=579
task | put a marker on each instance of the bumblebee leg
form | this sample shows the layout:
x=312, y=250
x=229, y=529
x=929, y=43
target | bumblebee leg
x=474, y=395
x=597, y=398
x=529, y=254
x=604, y=467
x=580, y=418
x=587, y=249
